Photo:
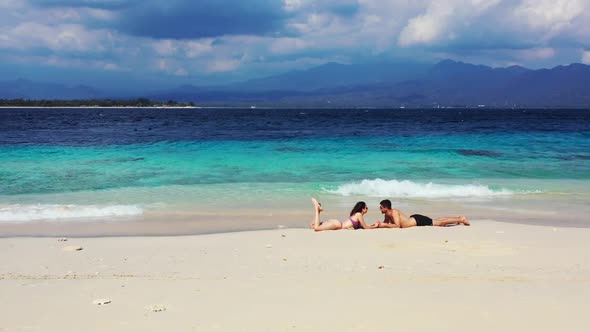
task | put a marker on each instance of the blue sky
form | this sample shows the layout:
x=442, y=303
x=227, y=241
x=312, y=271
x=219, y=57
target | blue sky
x=155, y=43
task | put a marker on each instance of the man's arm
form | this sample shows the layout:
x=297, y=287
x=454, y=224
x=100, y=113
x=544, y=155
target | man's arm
x=397, y=220
x=386, y=225
x=364, y=224
x=389, y=221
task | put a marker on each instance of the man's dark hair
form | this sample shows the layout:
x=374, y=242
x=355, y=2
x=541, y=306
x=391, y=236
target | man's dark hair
x=386, y=203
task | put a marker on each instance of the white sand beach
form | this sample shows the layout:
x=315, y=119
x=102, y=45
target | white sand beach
x=491, y=276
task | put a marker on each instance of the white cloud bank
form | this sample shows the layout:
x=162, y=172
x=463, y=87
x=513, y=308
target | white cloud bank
x=484, y=31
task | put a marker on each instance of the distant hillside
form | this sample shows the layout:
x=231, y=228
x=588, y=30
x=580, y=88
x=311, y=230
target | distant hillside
x=33, y=90
x=332, y=75
x=447, y=83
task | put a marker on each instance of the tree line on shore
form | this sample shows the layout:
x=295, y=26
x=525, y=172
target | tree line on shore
x=139, y=102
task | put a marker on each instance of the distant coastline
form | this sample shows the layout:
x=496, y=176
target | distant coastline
x=92, y=103
x=281, y=107
x=155, y=104
x=154, y=107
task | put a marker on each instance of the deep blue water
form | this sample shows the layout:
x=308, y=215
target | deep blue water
x=100, y=127
x=68, y=150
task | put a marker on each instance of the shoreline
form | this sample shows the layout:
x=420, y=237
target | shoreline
x=113, y=229
x=200, y=215
x=189, y=212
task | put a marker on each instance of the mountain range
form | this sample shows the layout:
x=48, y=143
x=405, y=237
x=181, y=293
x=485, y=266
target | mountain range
x=445, y=84
x=27, y=89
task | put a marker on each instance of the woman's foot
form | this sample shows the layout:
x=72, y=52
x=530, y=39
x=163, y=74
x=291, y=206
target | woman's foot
x=318, y=208
x=317, y=204
x=464, y=221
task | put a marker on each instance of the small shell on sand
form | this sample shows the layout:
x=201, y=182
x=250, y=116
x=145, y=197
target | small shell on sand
x=155, y=308
x=101, y=301
x=73, y=248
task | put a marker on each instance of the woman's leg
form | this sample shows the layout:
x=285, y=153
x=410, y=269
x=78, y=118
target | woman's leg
x=331, y=224
x=318, y=209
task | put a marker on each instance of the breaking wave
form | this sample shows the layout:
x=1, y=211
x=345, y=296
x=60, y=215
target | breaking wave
x=24, y=213
x=409, y=189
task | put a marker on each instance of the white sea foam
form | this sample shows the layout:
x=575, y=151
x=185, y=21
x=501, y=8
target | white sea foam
x=23, y=213
x=409, y=189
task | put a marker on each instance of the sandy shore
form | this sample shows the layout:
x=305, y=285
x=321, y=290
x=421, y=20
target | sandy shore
x=491, y=276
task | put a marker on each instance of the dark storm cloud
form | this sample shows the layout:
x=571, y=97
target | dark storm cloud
x=205, y=18
x=190, y=19
x=98, y=4
x=343, y=8
x=186, y=19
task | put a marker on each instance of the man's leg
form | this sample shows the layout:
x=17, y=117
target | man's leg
x=450, y=220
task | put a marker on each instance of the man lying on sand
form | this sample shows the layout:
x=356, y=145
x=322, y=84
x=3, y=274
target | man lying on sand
x=396, y=219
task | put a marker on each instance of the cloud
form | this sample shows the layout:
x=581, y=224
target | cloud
x=443, y=20
x=184, y=19
x=427, y=27
x=538, y=53
x=288, y=45
x=237, y=38
x=171, y=67
x=11, y=4
x=550, y=14
x=101, y=4
x=183, y=48
x=586, y=57
x=58, y=38
x=336, y=7
x=223, y=65
x=187, y=19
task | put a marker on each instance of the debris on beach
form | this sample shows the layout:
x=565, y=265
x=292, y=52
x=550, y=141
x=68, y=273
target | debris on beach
x=101, y=301
x=381, y=267
x=72, y=248
x=62, y=239
x=155, y=308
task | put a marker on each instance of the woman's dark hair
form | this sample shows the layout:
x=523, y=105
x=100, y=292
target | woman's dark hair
x=358, y=208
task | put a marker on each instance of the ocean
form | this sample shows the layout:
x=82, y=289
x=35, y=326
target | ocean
x=160, y=171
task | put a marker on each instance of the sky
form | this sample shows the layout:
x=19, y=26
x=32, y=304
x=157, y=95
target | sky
x=157, y=43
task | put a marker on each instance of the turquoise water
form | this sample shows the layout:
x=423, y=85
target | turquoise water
x=55, y=173
x=27, y=170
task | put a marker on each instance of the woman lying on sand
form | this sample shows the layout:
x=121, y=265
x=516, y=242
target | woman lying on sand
x=355, y=221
